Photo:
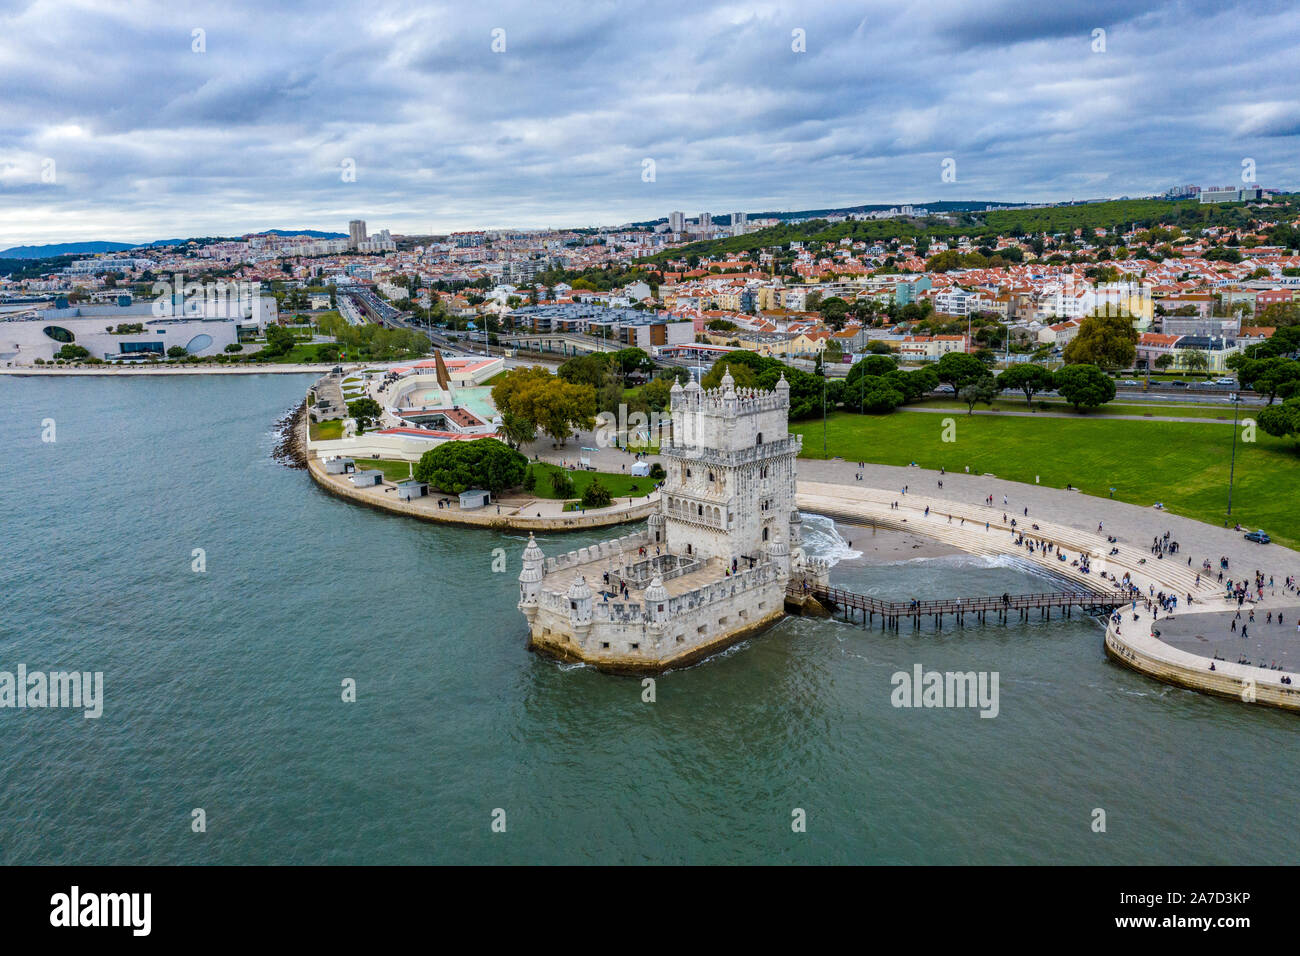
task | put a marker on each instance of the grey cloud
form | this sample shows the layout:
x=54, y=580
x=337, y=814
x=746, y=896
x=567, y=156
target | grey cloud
x=445, y=133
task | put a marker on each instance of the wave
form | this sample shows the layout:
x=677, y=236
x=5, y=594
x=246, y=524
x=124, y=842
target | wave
x=822, y=540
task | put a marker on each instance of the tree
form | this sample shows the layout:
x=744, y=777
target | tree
x=1028, y=378
x=365, y=411
x=1084, y=386
x=1164, y=361
x=457, y=466
x=592, y=369
x=877, y=395
x=516, y=429
x=70, y=351
x=561, y=484
x=1193, y=360
x=1284, y=342
x=596, y=495
x=1108, y=341
x=563, y=407
x=833, y=311
x=751, y=370
x=234, y=347
x=279, y=341
x=550, y=404
x=1279, y=315
x=1269, y=376
x=872, y=365
x=1281, y=420
x=960, y=368
x=983, y=389
x=176, y=352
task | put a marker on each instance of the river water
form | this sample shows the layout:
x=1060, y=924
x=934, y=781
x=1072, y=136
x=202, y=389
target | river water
x=222, y=689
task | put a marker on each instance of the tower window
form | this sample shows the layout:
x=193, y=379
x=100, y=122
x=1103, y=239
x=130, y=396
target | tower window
x=759, y=439
x=764, y=534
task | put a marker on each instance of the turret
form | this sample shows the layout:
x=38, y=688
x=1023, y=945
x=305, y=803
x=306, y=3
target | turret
x=796, y=530
x=530, y=578
x=656, y=523
x=580, y=609
x=656, y=602
x=782, y=391
x=779, y=552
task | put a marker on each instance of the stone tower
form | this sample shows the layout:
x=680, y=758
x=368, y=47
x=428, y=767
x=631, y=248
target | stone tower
x=729, y=490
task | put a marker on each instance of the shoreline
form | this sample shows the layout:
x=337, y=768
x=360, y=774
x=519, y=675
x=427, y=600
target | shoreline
x=268, y=369
x=881, y=545
x=341, y=487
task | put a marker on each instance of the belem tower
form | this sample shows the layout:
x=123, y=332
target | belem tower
x=714, y=562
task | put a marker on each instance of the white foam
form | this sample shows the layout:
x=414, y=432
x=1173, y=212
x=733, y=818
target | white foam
x=822, y=540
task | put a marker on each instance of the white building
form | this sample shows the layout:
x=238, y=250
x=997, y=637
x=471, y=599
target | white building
x=712, y=566
x=136, y=331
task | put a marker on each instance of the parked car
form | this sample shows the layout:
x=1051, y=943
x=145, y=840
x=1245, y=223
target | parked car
x=945, y=389
x=1258, y=535
x=1176, y=384
x=1230, y=382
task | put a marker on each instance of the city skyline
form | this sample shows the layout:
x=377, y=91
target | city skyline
x=126, y=124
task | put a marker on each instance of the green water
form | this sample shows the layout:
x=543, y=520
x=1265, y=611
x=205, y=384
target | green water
x=222, y=690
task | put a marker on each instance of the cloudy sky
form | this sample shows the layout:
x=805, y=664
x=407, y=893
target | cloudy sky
x=119, y=121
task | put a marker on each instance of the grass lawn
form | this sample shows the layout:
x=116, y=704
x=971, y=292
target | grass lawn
x=620, y=486
x=1182, y=464
x=1007, y=404
x=393, y=470
x=488, y=383
x=302, y=354
x=326, y=431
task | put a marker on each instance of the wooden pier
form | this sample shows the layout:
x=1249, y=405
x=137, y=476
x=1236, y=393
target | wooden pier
x=1000, y=607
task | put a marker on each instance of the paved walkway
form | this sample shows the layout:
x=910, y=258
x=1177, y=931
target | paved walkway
x=1132, y=524
x=586, y=445
x=1212, y=635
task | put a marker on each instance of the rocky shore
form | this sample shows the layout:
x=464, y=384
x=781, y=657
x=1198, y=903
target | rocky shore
x=291, y=449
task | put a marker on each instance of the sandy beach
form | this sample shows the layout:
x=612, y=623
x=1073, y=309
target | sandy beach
x=886, y=546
